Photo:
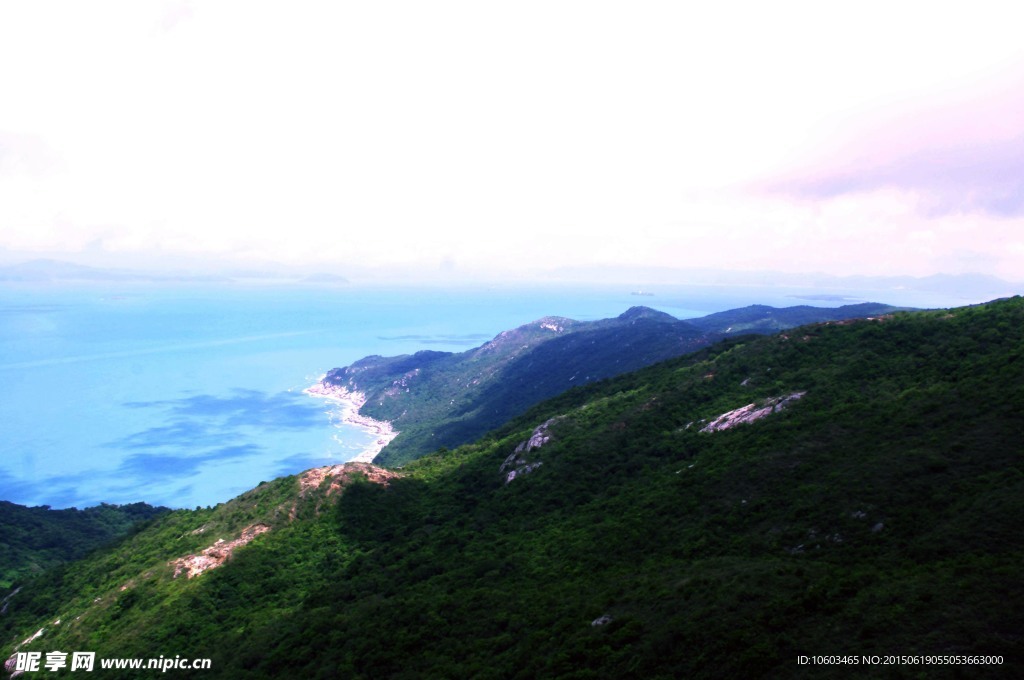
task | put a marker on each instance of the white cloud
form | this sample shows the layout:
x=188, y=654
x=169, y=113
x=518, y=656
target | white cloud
x=488, y=136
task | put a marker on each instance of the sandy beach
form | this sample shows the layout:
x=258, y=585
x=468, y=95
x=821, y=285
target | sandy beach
x=350, y=402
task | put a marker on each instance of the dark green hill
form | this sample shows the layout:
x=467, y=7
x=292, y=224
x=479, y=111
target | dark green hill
x=471, y=393
x=881, y=512
x=34, y=539
x=765, y=319
x=439, y=399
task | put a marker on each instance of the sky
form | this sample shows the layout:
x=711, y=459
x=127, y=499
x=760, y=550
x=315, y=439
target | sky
x=506, y=139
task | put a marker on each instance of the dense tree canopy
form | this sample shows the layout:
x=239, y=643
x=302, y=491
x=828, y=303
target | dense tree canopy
x=881, y=513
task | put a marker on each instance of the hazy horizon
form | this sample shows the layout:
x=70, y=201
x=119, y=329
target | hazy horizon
x=461, y=141
x=46, y=269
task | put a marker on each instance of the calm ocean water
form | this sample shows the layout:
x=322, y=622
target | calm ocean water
x=187, y=396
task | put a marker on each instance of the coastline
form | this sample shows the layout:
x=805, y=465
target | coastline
x=351, y=402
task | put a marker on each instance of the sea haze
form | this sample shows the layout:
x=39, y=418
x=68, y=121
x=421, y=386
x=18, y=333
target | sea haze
x=187, y=395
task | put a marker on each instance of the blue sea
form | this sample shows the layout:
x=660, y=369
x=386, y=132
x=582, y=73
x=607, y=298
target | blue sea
x=188, y=395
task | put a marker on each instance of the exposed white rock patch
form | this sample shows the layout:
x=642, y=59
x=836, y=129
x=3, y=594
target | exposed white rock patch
x=340, y=475
x=751, y=412
x=539, y=438
x=217, y=554
x=517, y=463
x=331, y=479
x=38, y=634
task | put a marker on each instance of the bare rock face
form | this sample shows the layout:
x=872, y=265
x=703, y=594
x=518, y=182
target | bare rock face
x=10, y=665
x=217, y=554
x=518, y=463
x=340, y=475
x=321, y=483
x=329, y=480
x=539, y=438
x=750, y=413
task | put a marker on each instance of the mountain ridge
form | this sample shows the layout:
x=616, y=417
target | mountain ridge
x=438, y=399
x=36, y=538
x=882, y=510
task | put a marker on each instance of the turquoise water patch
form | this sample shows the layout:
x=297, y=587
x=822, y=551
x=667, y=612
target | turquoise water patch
x=189, y=395
x=186, y=396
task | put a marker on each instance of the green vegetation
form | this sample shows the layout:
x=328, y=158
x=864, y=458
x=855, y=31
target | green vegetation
x=765, y=319
x=34, y=539
x=882, y=513
x=437, y=399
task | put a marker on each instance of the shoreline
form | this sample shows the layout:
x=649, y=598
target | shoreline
x=351, y=402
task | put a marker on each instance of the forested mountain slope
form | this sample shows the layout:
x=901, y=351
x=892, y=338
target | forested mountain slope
x=875, y=508
x=765, y=319
x=33, y=539
x=440, y=399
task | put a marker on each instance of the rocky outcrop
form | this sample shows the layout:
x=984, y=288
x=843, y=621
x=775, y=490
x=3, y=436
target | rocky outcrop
x=750, y=412
x=552, y=323
x=539, y=438
x=217, y=554
x=311, y=490
x=340, y=475
x=518, y=463
x=331, y=479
